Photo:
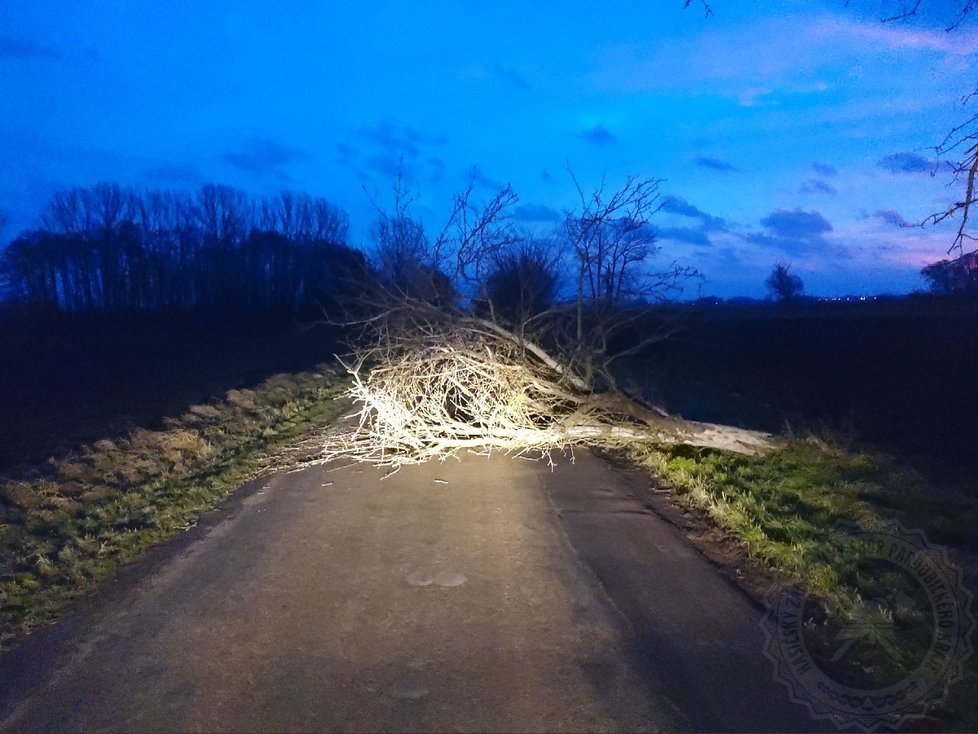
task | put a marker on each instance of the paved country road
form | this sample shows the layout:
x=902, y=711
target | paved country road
x=475, y=595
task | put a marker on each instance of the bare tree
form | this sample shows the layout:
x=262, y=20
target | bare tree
x=330, y=223
x=783, y=284
x=7, y=288
x=961, y=146
x=523, y=281
x=109, y=247
x=612, y=242
x=222, y=213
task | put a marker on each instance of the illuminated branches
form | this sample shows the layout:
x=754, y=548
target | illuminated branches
x=463, y=383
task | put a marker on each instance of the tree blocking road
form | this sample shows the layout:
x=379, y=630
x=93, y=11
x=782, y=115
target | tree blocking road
x=481, y=594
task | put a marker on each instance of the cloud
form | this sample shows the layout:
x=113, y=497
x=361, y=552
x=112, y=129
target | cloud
x=824, y=169
x=891, y=216
x=907, y=163
x=717, y=164
x=396, y=139
x=796, y=232
x=797, y=224
x=678, y=205
x=814, y=186
x=345, y=154
x=393, y=149
x=505, y=75
x=895, y=37
x=599, y=135
x=786, y=52
x=436, y=169
x=537, y=213
x=388, y=166
x=12, y=47
x=683, y=234
x=478, y=177
x=263, y=156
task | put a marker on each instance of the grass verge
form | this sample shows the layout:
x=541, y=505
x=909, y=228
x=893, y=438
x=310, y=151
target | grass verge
x=784, y=509
x=67, y=525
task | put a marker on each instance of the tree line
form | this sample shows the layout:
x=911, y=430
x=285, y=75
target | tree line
x=108, y=247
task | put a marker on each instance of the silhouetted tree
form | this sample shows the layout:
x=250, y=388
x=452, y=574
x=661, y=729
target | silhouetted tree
x=109, y=247
x=611, y=241
x=523, y=282
x=783, y=284
x=953, y=277
x=409, y=265
x=6, y=282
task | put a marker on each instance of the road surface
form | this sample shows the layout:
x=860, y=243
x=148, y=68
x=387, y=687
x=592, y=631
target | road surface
x=487, y=594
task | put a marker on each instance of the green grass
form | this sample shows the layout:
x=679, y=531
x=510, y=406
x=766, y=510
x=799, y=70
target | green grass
x=70, y=524
x=784, y=505
x=785, y=509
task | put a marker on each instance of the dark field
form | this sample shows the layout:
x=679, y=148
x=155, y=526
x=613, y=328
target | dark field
x=72, y=379
x=899, y=375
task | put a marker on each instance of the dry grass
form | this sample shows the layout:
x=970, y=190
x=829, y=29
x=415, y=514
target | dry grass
x=67, y=524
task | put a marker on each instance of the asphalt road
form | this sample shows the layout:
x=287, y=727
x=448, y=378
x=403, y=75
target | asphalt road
x=474, y=595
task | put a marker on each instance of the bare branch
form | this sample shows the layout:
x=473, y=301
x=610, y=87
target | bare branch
x=967, y=7
x=963, y=138
x=902, y=15
x=707, y=9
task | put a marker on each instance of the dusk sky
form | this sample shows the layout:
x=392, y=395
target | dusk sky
x=783, y=131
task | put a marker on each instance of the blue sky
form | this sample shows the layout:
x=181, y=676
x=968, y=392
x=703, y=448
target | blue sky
x=795, y=131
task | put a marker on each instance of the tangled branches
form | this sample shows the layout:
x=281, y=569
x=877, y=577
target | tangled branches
x=449, y=385
x=445, y=390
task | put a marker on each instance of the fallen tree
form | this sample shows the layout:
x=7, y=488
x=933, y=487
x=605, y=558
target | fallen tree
x=465, y=383
x=432, y=378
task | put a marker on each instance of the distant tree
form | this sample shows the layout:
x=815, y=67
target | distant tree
x=783, y=284
x=409, y=263
x=335, y=277
x=523, y=282
x=953, y=277
x=611, y=240
x=109, y=247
